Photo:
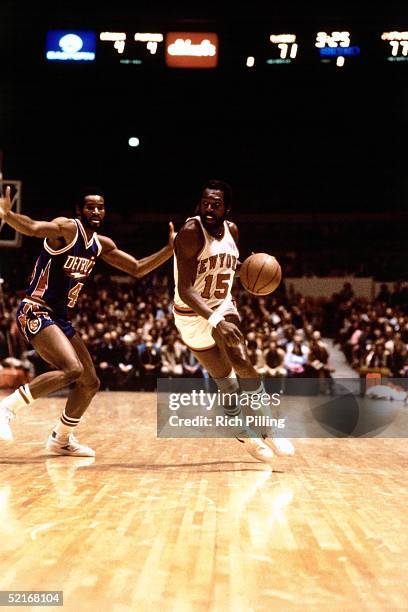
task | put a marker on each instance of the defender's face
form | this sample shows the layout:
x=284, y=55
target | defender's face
x=93, y=211
x=212, y=208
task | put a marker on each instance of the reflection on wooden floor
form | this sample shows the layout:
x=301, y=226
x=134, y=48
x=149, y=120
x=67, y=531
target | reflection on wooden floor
x=198, y=524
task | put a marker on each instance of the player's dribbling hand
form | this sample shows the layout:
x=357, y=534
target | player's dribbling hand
x=5, y=204
x=230, y=333
x=172, y=234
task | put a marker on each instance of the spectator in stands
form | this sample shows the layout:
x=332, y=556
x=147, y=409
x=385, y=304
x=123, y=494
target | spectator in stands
x=347, y=293
x=274, y=361
x=384, y=295
x=128, y=363
x=150, y=365
x=317, y=365
x=378, y=359
x=399, y=357
x=107, y=361
x=289, y=331
x=171, y=358
x=296, y=356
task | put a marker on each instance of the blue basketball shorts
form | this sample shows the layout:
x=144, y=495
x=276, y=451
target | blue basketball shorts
x=32, y=318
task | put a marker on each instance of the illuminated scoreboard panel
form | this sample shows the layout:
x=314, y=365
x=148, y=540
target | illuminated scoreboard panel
x=254, y=49
x=135, y=48
x=396, y=45
x=283, y=48
x=171, y=49
x=336, y=47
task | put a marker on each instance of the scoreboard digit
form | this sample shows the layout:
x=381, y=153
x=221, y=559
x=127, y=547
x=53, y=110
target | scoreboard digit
x=397, y=45
x=284, y=48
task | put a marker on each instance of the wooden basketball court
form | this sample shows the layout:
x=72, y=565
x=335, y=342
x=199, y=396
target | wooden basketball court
x=187, y=524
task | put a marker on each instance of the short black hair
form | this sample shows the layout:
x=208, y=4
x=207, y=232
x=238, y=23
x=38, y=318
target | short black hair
x=87, y=190
x=220, y=186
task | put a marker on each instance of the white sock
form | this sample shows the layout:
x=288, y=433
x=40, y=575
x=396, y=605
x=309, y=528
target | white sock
x=262, y=409
x=18, y=399
x=229, y=386
x=66, y=425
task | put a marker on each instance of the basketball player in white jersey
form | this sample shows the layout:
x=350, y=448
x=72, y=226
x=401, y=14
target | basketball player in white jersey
x=206, y=259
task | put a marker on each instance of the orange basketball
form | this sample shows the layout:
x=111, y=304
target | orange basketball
x=260, y=273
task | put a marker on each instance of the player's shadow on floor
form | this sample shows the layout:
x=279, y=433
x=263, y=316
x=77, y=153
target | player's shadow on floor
x=153, y=466
x=178, y=466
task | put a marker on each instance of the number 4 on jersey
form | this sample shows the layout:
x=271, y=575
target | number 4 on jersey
x=73, y=294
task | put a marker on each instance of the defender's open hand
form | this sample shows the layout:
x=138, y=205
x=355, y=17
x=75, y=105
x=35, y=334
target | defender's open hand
x=172, y=234
x=5, y=204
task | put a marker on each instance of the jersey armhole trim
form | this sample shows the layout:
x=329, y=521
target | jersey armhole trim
x=66, y=248
x=98, y=244
x=200, y=252
x=229, y=229
x=88, y=243
x=197, y=218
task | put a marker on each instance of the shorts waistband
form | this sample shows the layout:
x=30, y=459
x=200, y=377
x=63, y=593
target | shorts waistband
x=187, y=312
x=37, y=301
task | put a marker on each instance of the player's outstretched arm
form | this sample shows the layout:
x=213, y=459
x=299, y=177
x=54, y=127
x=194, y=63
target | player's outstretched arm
x=188, y=245
x=235, y=234
x=60, y=227
x=136, y=267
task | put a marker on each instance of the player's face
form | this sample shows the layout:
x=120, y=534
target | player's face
x=93, y=211
x=212, y=209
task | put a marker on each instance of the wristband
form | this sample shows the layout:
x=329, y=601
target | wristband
x=214, y=319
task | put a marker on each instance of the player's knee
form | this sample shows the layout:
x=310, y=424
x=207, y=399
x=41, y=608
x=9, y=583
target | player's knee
x=239, y=361
x=94, y=385
x=73, y=372
x=90, y=384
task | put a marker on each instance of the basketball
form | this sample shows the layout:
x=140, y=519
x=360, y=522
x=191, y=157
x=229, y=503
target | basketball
x=260, y=274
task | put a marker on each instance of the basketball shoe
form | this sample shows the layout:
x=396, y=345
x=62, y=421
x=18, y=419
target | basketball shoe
x=257, y=449
x=281, y=446
x=6, y=415
x=62, y=445
x=388, y=392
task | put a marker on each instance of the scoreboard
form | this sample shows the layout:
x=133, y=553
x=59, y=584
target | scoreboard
x=209, y=50
x=172, y=49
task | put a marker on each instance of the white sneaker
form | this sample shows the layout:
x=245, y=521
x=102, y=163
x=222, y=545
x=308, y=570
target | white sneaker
x=388, y=392
x=257, y=449
x=60, y=445
x=281, y=446
x=6, y=415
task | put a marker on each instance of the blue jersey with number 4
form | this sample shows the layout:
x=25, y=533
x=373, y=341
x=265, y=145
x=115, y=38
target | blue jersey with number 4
x=59, y=276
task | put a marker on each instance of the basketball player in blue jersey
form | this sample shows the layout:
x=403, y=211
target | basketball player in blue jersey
x=206, y=260
x=70, y=250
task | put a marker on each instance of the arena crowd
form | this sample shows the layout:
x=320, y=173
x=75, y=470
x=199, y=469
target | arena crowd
x=129, y=330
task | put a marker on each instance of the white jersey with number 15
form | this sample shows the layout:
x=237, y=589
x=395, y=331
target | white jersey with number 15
x=216, y=265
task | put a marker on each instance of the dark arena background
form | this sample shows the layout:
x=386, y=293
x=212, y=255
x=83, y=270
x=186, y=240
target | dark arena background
x=302, y=110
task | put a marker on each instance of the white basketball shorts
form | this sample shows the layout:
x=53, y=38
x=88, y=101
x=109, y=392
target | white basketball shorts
x=195, y=331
